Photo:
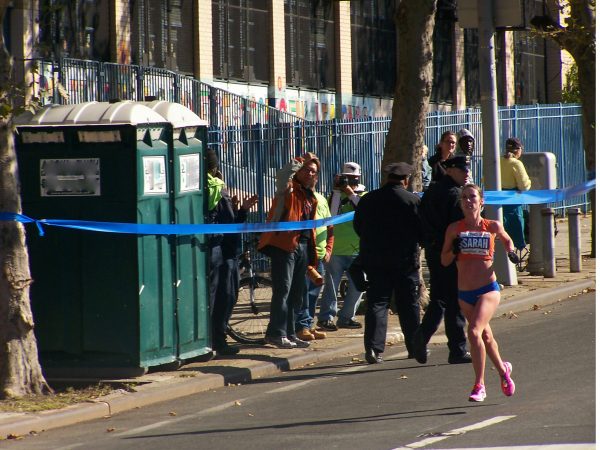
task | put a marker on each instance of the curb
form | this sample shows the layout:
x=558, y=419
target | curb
x=175, y=387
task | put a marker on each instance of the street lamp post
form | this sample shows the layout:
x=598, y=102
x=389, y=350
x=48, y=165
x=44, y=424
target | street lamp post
x=505, y=271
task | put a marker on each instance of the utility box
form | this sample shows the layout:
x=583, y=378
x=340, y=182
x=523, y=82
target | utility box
x=542, y=170
x=105, y=304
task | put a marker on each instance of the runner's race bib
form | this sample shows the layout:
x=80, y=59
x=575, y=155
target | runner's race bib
x=475, y=242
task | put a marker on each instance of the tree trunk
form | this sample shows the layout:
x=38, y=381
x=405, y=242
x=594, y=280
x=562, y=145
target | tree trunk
x=586, y=66
x=579, y=39
x=414, y=25
x=20, y=371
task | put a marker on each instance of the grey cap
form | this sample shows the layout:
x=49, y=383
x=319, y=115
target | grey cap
x=465, y=133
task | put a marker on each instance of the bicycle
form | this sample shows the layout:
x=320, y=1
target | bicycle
x=250, y=316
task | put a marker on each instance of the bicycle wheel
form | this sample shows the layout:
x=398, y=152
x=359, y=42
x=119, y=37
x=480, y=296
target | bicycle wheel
x=250, y=316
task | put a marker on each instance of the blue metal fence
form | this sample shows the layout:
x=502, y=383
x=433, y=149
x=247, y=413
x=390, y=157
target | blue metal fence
x=255, y=140
x=252, y=155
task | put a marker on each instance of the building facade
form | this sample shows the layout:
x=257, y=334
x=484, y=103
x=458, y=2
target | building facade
x=317, y=59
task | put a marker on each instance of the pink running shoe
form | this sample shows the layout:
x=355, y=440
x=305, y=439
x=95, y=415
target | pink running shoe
x=478, y=393
x=507, y=384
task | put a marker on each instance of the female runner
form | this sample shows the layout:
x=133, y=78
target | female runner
x=471, y=242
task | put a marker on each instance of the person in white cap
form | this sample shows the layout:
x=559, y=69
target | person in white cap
x=345, y=197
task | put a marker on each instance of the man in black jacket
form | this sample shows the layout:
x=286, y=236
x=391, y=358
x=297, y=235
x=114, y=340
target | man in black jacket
x=440, y=206
x=386, y=221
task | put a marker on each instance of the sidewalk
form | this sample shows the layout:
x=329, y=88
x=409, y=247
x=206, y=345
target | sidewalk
x=252, y=363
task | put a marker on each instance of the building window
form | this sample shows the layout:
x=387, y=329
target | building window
x=443, y=33
x=240, y=40
x=373, y=47
x=530, y=61
x=310, y=43
x=74, y=29
x=471, y=66
x=530, y=70
x=162, y=34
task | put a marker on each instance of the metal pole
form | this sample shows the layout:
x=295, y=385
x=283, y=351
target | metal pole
x=505, y=271
x=535, y=262
x=574, y=240
x=548, y=231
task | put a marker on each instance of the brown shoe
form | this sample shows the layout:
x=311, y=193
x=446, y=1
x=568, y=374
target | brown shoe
x=318, y=334
x=305, y=335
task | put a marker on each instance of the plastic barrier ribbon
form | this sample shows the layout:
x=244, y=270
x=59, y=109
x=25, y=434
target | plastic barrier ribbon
x=490, y=197
x=536, y=197
x=178, y=229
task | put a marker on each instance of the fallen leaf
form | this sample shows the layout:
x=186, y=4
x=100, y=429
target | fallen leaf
x=172, y=413
x=535, y=307
x=110, y=430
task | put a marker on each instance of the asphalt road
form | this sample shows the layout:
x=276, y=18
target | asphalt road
x=398, y=404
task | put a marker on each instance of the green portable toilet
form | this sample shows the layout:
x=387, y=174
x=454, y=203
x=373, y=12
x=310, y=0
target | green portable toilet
x=104, y=303
x=189, y=142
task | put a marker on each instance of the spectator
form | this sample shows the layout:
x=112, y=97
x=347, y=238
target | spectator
x=345, y=197
x=443, y=151
x=466, y=143
x=291, y=251
x=306, y=313
x=223, y=269
x=479, y=292
x=387, y=222
x=440, y=206
x=514, y=177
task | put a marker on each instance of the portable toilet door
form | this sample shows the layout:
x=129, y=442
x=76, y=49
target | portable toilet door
x=191, y=260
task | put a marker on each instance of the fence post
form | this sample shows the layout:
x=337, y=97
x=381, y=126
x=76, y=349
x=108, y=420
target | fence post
x=261, y=170
x=56, y=77
x=335, y=145
x=297, y=138
x=537, y=127
x=140, y=83
x=374, y=183
x=100, y=83
x=548, y=239
x=176, y=89
x=574, y=240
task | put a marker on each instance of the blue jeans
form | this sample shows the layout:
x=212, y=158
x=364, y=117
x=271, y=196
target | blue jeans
x=334, y=269
x=288, y=273
x=306, y=312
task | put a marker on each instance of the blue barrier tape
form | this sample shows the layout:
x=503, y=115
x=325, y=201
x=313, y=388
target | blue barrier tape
x=490, y=198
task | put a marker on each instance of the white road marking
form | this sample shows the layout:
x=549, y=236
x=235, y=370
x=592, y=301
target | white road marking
x=535, y=447
x=204, y=412
x=289, y=387
x=457, y=431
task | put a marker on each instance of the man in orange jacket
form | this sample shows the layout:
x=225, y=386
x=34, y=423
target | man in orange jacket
x=291, y=252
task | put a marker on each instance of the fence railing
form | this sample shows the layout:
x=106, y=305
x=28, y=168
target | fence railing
x=255, y=140
x=70, y=81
